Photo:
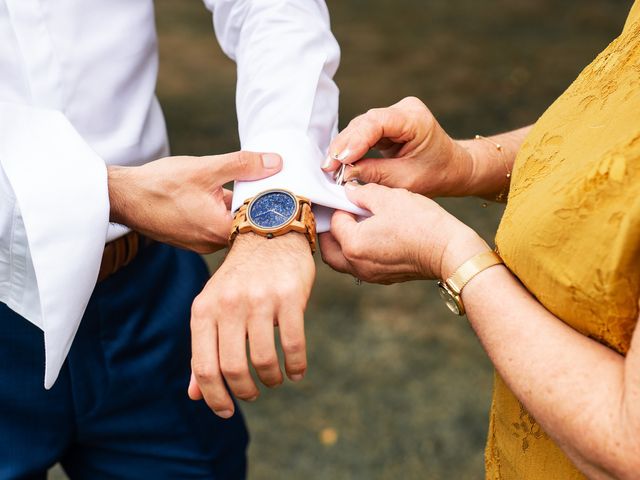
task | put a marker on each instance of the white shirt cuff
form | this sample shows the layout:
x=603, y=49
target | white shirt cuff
x=298, y=153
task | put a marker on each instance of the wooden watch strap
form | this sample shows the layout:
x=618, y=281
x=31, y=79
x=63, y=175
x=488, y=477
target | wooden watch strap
x=305, y=223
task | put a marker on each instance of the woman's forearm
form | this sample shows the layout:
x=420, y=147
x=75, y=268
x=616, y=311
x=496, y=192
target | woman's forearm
x=490, y=164
x=585, y=395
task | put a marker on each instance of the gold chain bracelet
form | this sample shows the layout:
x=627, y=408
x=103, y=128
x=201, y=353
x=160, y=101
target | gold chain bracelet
x=502, y=196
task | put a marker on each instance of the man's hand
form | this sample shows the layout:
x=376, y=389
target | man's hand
x=261, y=284
x=181, y=200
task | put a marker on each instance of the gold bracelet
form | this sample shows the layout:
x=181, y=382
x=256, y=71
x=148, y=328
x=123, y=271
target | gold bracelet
x=502, y=196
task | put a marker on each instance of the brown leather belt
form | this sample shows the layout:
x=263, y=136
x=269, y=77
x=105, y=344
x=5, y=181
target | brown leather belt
x=120, y=252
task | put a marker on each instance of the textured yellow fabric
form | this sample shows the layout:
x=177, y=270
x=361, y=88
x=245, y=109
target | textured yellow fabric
x=571, y=233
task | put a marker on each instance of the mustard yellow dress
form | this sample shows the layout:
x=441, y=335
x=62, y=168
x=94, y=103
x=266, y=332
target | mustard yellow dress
x=571, y=233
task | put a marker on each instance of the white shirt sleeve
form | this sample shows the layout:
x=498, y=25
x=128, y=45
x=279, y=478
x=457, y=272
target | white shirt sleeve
x=54, y=214
x=286, y=98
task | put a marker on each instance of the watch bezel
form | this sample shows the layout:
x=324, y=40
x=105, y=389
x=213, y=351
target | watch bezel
x=451, y=299
x=267, y=230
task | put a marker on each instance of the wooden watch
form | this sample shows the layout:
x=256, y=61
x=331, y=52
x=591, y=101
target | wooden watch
x=274, y=213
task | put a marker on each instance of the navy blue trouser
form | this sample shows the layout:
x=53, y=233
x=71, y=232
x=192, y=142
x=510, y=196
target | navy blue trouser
x=119, y=409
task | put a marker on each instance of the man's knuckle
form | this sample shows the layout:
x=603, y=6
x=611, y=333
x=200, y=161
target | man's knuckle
x=374, y=113
x=264, y=361
x=258, y=296
x=200, y=309
x=412, y=101
x=243, y=160
x=233, y=372
x=216, y=404
x=205, y=372
x=228, y=298
x=289, y=290
x=246, y=393
x=293, y=346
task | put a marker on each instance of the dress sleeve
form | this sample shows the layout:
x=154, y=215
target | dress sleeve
x=54, y=214
x=286, y=98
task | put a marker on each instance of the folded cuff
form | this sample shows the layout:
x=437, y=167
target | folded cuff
x=301, y=174
x=60, y=186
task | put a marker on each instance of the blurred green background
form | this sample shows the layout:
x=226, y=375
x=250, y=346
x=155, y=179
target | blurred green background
x=396, y=387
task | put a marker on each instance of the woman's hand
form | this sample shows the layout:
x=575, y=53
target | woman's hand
x=408, y=237
x=181, y=200
x=419, y=155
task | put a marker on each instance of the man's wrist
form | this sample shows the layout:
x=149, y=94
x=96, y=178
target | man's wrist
x=120, y=184
x=291, y=241
x=298, y=224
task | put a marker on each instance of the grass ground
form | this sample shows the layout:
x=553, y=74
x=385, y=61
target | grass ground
x=396, y=387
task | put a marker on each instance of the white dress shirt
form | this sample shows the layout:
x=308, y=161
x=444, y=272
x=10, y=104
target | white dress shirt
x=77, y=93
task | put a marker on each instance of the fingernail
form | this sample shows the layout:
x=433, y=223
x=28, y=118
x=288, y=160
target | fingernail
x=327, y=162
x=352, y=185
x=270, y=160
x=225, y=413
x=296, y=377
x=342, y=156
x=252, y=399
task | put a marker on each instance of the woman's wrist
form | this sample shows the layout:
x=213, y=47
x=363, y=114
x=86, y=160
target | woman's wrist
x=486, y=173
x=461, y=182
x=462, y=246
x=492, y=159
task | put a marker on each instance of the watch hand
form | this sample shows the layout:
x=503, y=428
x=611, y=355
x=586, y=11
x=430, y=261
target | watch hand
x=277, y=213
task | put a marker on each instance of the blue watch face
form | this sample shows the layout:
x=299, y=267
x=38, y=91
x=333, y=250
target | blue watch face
x=272, y=209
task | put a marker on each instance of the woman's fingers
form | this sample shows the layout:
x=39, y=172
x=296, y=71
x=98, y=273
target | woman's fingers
x=390, y=172
x=343, y=226
x=332, y=253
x=363, y=133
x=371, y=197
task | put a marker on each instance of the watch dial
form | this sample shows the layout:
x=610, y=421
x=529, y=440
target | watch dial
x=273, y=209
x=448, y=299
